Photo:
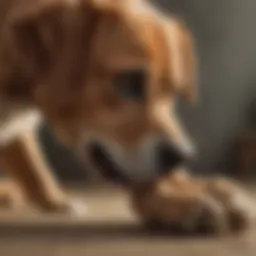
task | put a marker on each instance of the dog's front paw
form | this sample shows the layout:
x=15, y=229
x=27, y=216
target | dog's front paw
x=238, y=205
x=71, y=206
x=77, y=207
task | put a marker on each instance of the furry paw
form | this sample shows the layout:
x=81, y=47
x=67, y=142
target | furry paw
x=77, y=208
x=194, y=205
x=239, y=207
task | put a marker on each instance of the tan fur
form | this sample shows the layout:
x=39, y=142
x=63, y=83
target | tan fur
x=192, y=202
x=11, y=195
x=60, y=56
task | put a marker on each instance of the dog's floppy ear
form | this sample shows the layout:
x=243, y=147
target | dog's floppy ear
x=35, y=32
x=181, y=58
x=30, y=35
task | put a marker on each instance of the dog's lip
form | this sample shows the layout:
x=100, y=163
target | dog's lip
x=111, y=171
x=106, y=166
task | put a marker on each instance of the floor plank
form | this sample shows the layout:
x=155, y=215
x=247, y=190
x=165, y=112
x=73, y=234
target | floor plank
x=109, y=228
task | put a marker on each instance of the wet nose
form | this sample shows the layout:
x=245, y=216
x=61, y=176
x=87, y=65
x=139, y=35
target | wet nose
x=168, y=157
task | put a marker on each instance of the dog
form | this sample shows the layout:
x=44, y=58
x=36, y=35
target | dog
x=105, y=75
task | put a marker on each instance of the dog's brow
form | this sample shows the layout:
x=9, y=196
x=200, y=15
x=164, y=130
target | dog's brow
x=85, y=40
x=92, y=23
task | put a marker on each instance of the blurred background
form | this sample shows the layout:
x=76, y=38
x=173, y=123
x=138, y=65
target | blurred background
x=223, y=122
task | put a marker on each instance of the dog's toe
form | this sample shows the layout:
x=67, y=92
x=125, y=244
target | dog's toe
x=77, y=208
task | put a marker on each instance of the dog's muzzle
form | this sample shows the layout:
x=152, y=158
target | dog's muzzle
x=105, y=164
x=164, y=158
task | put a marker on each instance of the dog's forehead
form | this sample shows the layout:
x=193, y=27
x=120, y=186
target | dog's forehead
x=135, y=36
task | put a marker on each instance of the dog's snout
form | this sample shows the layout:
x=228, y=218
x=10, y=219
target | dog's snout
x=168, y=156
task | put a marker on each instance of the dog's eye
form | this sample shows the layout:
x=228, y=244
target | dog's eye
x=131, y=84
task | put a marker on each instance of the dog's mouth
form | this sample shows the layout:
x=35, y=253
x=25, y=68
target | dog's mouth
x=110, y=170
x=106, y=165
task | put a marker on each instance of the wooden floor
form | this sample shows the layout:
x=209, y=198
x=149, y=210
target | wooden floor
x=109, y=228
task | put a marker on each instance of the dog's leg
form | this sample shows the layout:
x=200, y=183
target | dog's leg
x=11, y=197
x=23, y=159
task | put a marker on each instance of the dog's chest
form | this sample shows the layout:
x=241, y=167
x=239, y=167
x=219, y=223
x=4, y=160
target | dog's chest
x=16, y=119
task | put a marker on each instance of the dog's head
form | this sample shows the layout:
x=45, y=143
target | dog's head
x=105, y=74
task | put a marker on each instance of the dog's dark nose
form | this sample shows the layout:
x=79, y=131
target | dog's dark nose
x=168, y=157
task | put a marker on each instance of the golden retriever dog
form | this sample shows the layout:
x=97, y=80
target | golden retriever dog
x=105, y=75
